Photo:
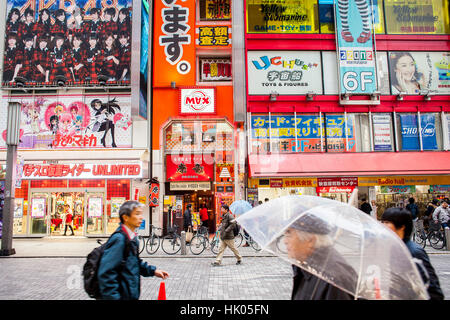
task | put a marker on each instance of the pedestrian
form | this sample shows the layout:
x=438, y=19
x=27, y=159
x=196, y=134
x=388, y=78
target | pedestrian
x=187, y=218
x=302, y=240
x=227, y=236
x=365, y=206
x=204, y=216
x=400, y=221
x=266, y=200
x=442, y=214
x=69, y=219
x=260, y=202
x=120, y=266
x=412, y=207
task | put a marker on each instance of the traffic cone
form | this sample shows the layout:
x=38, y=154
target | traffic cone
x=162, y=291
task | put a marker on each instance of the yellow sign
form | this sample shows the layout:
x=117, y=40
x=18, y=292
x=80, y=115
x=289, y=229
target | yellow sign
x=403, y=181
x=417, y=16
x=282, y=16
x=287, y=183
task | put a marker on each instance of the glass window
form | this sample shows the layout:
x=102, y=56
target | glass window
x=361, y=131
x=430, y=137
x=214, y=10
x=340, y=134
x=326, y=16
x=417, y=16
x=383, y=132
x=282, y=16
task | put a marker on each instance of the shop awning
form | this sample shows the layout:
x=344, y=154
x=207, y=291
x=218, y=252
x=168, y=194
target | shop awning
x=349, y=164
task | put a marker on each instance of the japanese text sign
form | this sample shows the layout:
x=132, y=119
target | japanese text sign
x=190, y=167
x=198, y=100
x=213, y=36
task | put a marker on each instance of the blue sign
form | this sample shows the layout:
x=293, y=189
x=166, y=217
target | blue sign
x=410, y=132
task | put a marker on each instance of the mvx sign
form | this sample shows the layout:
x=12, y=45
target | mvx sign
x=197, y=100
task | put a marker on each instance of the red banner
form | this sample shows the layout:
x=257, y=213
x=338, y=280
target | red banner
x=193, y=167
x=337, y=182
x=334, y=189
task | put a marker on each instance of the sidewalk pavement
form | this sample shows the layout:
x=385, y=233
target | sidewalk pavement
x=81, y=246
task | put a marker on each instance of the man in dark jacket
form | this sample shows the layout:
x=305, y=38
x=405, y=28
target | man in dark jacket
x=365, y=206
x=400, y=221
x=120, y=266
x=187, y=218
x=227, y=236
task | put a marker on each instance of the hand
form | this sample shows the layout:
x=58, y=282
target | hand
x=161, y=274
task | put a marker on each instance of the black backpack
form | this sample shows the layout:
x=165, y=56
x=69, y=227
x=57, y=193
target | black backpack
x=236, y=229
x=92, y=265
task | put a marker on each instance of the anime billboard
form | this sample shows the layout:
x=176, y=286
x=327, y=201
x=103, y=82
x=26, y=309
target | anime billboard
x=67, y=43
x=72, y=122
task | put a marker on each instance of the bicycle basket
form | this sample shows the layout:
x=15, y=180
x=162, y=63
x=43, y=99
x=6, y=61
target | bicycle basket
x=172, y=229
x=434, y=226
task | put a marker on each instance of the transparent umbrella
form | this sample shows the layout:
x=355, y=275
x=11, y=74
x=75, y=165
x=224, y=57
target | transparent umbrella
x=373, y=263
x=239, y=207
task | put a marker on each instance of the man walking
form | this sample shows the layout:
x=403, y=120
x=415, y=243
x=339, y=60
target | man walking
x=442, y=214
x=227, y=236
x=365, y=206
x=120, y=266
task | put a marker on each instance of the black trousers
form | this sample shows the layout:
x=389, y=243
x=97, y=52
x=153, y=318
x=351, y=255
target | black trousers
x=71, y=229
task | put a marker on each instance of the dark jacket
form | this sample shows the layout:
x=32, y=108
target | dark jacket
x=117, y=281
x=366, y=207
x=434, y=288
x=187, y=218
x=309, y=287
x=226, y=228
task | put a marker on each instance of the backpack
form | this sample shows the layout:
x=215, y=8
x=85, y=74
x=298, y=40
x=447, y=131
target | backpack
x=236, y=229
x=92, y=265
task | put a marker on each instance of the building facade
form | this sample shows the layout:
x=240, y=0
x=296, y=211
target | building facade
x=364, y=107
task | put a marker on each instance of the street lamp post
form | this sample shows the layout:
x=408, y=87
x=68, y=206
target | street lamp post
x=12, y=140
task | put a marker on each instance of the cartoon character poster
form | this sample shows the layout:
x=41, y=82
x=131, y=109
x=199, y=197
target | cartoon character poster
x=72, y=122
x=69, y=43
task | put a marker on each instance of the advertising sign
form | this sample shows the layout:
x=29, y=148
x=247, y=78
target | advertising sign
x=410, y=132
x=440, y=189
x=77, y=42
x=213, y=36
x=72, y=121
x=382, y=140
x=190, y=167
x=356, y=60
x=198, y=100
x=403, y=181
x=174, y=47
x=334, y=189
x=337, y=182
x=215, y=69
x=38, y=207
x=95, y=207
x=115, y=206
x=284, y=72
x=216, y=9
x=420, y=72
x=181, y=186
x=302, y=133
x=417, y=16
x=282, y=16
x=398, y=189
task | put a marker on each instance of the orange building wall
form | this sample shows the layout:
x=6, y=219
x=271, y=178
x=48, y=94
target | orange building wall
x=166, y=105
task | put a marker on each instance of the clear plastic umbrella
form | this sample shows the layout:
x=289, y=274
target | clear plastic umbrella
x=239, y=207
x=373, y=263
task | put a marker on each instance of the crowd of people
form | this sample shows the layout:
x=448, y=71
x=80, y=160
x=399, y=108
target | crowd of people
x=87, y=47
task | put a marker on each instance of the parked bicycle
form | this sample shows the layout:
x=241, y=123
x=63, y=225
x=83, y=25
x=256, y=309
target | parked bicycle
x=248, y=239
x=435, y=235
x=200, y=241
x=151, y=243
x=171, y=243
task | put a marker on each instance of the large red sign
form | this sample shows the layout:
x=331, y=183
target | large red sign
x=337, y=182
x=191, y=167
x=334, y=189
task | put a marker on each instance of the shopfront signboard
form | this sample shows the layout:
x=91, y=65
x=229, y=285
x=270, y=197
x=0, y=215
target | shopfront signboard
x=299, y=182
x=337, y=182
x=174, y=47
x=410, y=132
x=276, y=183
x=334, y=189
x=215, y=69
x=190, y=167
x=355, y=47
x=403, y=180
x=284, y=72
x=417, y=73
x=382, y=140
x=180, y=186
x=440, y=189
x=213, y=36
x=89, y=121
x=398, y=189
x=82, y=171
x=198, y=101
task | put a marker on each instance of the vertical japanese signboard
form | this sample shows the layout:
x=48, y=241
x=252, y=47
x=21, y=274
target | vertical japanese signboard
x=354, y=37
x=174, y=53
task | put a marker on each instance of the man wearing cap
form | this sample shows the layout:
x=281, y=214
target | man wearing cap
x=120, y=266
x=303, y=238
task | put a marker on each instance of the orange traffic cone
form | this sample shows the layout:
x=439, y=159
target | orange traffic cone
x=162, y=291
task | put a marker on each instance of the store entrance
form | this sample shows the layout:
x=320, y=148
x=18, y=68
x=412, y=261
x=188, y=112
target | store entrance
x=66, y=213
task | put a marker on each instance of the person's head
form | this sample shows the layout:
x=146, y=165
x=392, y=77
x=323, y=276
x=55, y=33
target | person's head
x=444, y=204
x=304, y=236
x=266, y=199
x=109, y=40
x=28, y=41
x=225, y=209
x=131, y=214
x=13, y=15
x=29, y=15
x=60, y=15
x=95, y=13
x=109, y=14
x=43, y=41
x=189, y=206
x=411, y=200
x=260, y=202
x=398, y=220
x=402, y=65
x=59, y=41
x=123, y=38
x=12, y=40
x=54, y=120
x=76, y=41
x=93, y=40
x=124, y=14
x=44, y=16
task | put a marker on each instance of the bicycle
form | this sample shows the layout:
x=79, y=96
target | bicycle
x=420, y=236
x=436, y=235
x=200, y=241
x=248, y=239
x=150, y=243
x=171, y=243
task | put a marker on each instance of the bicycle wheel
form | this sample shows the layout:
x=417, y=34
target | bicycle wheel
x=436, y=239
x=171, y=244
x=153, y=243
x=419, y=239
x=198, y=244
x=141, y=243
x=255, y=245
x=238, y=240
x=215, y=246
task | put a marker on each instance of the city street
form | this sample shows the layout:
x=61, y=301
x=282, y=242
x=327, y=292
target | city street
x=26, y=276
